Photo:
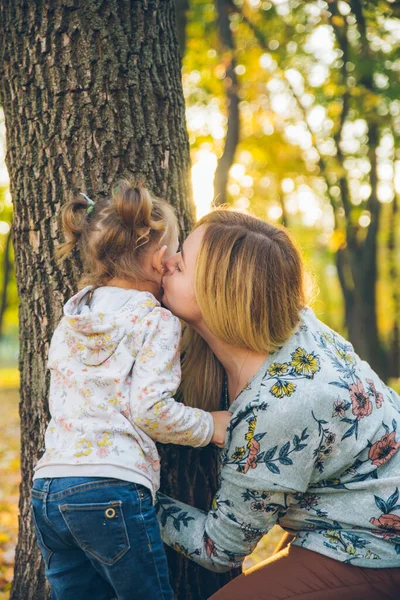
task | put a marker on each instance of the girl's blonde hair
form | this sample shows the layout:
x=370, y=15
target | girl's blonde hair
x=116, y=232
x=249, y=285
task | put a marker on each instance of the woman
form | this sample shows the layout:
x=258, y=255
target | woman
x=312, y=443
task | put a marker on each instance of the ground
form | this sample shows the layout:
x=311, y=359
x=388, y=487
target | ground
x=9, y=484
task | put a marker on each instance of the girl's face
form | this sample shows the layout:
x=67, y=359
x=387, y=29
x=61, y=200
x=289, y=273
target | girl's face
x=178, y=281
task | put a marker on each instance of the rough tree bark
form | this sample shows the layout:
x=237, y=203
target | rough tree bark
x=90, y=90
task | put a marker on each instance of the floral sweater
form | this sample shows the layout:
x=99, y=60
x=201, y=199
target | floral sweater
x=115, y=366
x=312, y=445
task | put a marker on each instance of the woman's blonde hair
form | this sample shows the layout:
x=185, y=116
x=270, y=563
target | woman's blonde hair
x=114, y=233
x=249, y=285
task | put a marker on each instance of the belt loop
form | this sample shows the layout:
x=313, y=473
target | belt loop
x=46, y=487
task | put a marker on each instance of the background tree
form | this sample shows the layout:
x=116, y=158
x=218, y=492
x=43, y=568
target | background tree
x=317, y=87
x=90, y=91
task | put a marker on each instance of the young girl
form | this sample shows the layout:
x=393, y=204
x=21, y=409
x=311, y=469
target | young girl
x=115, y=366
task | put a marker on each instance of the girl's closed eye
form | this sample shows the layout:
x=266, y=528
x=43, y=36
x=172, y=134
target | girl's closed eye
x=177, y=267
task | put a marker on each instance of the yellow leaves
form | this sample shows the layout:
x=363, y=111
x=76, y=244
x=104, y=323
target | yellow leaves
x=338, y=21
x=9, y=379
x=335, y=107
x=336, y=241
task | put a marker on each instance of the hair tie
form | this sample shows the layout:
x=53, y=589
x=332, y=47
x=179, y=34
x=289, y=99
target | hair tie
x=89, y=201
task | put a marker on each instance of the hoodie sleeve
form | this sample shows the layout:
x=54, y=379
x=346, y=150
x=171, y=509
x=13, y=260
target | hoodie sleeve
x=156, y=376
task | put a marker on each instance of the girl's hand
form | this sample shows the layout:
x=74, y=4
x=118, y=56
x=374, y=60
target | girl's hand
x=221, y=421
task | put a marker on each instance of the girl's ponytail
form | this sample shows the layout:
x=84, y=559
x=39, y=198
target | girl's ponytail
x=134, y=207
x=73, y=218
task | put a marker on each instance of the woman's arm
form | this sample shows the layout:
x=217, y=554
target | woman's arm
x=266, y=456
x=155, y=378
x=221, y=539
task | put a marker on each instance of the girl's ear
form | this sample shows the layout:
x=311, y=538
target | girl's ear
x=158, y=259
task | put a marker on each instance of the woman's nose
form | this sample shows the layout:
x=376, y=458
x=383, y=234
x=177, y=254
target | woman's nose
x=169, y=266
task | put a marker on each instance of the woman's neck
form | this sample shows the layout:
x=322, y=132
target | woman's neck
x=240, y=364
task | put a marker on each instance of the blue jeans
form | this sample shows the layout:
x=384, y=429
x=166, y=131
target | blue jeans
x=100, y=539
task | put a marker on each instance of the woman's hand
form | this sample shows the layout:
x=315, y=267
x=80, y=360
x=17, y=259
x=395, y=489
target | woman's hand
x=221, y=421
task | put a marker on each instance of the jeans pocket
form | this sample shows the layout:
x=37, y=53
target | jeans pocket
x=99, y=529
x=46, y=552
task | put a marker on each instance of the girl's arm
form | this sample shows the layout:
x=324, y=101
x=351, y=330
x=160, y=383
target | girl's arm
x=155, y=378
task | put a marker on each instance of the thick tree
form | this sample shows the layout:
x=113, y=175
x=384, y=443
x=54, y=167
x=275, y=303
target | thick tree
x=90, y=90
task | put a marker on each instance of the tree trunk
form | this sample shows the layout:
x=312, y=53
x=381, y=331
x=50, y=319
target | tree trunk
x=231, y=82
x=181, y=10
x=363, y=259
x=90, y=90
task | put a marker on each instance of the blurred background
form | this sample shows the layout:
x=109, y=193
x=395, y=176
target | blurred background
x=293, y=114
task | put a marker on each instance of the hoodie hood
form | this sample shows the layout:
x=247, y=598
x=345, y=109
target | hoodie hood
x=95, y=320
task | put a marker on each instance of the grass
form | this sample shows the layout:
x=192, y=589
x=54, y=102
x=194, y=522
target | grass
x=9, y=487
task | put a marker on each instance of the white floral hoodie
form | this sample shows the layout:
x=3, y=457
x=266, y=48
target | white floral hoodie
x=115, y=366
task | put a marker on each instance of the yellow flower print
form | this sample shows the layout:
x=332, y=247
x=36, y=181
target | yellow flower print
x=304, y=363
x=84, y=448
x=372, y=555
x=239, y=453
x=278, y=369
x=157, y=408
x=328, y=337
x=149, y=303
x=86, y=392
x=103, y=439
x=342, y=354
x=147, y=424
x=252, y=427
x=113, y=401
x=146, y=354
x=350, y=549
x=283, y=388
x=333, y=536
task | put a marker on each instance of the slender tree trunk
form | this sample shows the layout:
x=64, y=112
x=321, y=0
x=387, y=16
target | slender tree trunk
x=363, y=319
x=6, y=278
x=90, y=90
x=224, y=8
x=393, y=248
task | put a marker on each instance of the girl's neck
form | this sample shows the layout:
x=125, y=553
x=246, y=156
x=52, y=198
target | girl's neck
x=141, y=286
x=240, y=364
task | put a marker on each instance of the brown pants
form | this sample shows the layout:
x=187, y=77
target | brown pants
x=299, y=573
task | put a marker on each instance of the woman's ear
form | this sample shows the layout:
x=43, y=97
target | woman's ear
x=158, y=259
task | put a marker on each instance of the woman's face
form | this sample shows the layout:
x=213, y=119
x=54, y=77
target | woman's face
x=178, y=281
